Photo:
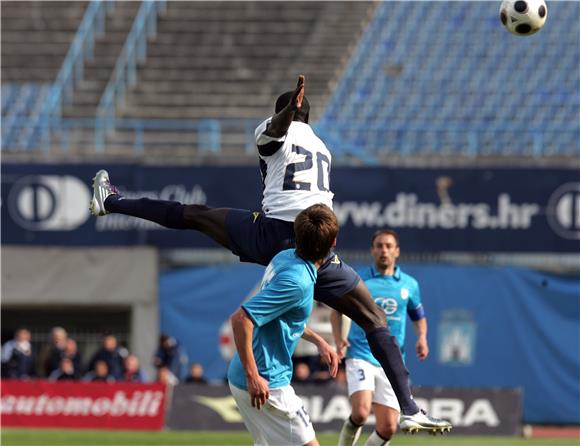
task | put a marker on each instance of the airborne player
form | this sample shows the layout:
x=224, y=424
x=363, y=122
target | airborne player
x=295, y=166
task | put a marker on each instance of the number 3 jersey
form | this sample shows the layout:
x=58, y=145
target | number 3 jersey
x=295, y=171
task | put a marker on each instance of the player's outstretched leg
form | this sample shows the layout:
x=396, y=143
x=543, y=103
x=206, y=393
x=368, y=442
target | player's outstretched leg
x=171, y=214
x=361, y=308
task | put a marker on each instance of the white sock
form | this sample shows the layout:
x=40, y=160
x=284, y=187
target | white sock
x=375, y=440
x=349, y=433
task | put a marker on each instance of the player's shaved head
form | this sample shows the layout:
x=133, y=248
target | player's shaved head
x=316, y=228
x=301, y=115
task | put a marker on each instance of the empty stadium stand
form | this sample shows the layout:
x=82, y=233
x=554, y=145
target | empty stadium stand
x=228, y=61
x=386, y=80
x=445, y=78
x=36, y=36
x=98, y=70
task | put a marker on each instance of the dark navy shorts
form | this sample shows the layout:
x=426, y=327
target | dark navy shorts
x=256, y=238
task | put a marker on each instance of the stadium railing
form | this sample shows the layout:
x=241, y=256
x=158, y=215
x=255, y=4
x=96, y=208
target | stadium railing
x=125, y=72
x=19, y=102
x=203, y=136
x=71, y=72
x=368, y=142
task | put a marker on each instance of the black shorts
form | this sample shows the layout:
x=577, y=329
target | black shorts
x=256, y=238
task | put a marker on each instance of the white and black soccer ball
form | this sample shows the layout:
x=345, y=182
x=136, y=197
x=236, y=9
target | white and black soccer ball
x=523, y=17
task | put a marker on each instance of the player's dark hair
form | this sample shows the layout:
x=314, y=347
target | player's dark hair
x=315, y=228
x=385, y=232
x=300, y=115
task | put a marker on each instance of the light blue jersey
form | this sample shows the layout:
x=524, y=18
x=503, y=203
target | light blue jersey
x=279, y=311
x=398, y=295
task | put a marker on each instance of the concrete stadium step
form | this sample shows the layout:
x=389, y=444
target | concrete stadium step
x=278, y=75
x=47, y=29
x=181, y=99
x=106, y=53
x=135, y=111
x=215, y=60
x=17, y=37
x=35, y=49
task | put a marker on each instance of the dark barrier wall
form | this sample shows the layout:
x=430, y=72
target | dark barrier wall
x=531, y=210
x=472, y=411
x=488, y=328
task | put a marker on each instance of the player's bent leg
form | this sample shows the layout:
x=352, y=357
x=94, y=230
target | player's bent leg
x=339, y=287
x=361, y=406
x=385, y=426
x=349, y=433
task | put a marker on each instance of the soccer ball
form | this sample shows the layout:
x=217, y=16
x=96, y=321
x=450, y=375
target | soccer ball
x=523, y=17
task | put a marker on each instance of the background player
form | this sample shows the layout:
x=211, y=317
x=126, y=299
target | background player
x=267, y=329
x=398, y=294
x=295, y=166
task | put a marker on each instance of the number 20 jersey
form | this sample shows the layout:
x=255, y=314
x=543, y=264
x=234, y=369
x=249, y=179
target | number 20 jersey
x=295, y=171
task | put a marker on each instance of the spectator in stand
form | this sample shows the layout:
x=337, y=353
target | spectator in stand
x=112, y=355
x=196, y=374
x=165, y=376
x=133, y=372
x=17, y=356
x=320, y=375
x=65, y=372
x=71, y=352
x=100, y=373
x=52, y=355
x=301, y=373
x=170, y=354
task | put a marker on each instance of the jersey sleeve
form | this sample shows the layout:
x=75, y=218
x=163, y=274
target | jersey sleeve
x=281, y=294
x=267, y=145
x=415, y=308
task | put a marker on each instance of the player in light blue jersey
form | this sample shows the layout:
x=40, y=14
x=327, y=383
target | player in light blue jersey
x=267, y=329
x=399, y=296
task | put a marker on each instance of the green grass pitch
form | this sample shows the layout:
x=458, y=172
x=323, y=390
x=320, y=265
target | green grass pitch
x=57, y=437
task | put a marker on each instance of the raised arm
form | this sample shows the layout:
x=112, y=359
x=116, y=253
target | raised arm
x=327, y=353
x=243, y=329
x=281, y=121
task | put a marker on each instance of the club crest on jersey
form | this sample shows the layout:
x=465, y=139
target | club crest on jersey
x=404, y=293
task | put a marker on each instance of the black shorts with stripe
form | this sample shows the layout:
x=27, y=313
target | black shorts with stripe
x=256, y=238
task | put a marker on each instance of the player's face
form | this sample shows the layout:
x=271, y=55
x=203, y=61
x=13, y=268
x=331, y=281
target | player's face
x=385, y=251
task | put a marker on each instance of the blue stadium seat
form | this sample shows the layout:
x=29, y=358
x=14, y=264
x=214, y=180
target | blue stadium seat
x=446, y=70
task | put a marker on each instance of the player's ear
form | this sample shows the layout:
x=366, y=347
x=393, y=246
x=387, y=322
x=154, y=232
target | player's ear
x=334, y=243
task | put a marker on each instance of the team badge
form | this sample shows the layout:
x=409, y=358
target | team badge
x=404, y=293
